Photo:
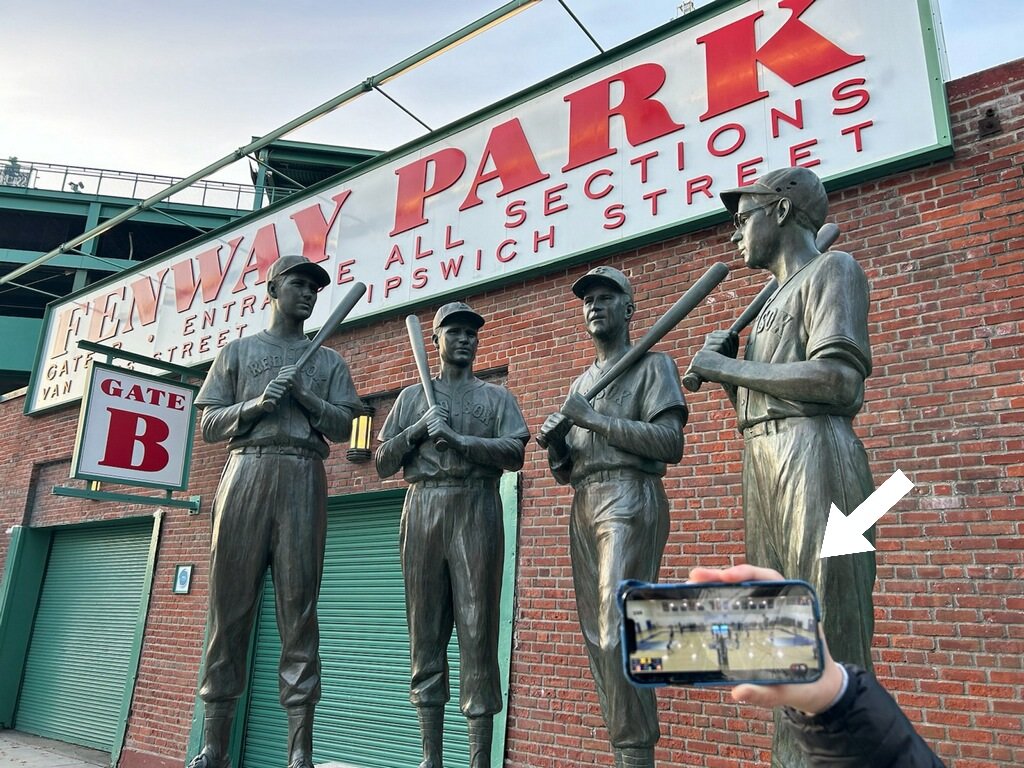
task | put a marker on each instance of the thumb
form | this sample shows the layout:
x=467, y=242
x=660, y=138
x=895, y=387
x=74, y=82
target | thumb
x=758, y=695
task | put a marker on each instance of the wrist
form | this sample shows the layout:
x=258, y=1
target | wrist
x=833, y=684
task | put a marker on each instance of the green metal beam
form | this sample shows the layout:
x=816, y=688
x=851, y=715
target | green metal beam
x=470, y=30
x=121, y=354
x=192, y=503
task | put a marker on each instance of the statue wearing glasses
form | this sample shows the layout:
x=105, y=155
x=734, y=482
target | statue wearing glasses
x=796, y=391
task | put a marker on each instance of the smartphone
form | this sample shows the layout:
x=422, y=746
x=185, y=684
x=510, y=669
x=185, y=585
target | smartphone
x=720, y=634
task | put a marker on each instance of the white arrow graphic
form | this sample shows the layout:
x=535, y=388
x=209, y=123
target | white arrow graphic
x=844, y=535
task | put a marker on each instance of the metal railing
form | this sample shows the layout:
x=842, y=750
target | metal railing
x=125, y=184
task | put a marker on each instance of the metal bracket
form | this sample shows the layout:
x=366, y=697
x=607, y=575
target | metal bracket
x=990, y=124
x=192, y=503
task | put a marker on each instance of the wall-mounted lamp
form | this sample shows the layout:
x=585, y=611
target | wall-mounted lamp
x=362, y=436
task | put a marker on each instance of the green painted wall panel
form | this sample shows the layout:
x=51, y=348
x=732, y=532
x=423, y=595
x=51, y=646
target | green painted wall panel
x=19, y=596
x=21, y=337
x=365, y=717
x=83, y=636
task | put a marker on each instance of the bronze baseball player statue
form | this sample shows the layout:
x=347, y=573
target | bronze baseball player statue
x=452, y=538
x=271, y=504
x=796, y=391
x=614, y=453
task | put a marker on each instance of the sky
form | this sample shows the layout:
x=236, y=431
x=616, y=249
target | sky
x=170, y=87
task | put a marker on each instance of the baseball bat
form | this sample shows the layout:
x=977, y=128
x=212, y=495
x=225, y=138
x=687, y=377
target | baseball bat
x=340, y=312
x=683, y=306
x=826, y=237
x=419, y=353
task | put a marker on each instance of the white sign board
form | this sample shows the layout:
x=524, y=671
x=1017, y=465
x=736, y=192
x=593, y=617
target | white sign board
x=631, y=147
x=134, y=429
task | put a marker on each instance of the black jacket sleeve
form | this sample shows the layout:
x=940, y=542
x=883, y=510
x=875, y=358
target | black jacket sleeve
x=864, y=728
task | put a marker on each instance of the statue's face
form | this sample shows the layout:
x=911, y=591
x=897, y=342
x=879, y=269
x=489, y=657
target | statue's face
x=757, y=230
x=295, y=295
x=606, y=310
x=456, y=343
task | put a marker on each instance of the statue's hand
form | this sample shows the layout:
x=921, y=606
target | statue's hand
x=553, y=431
x=438, y=428
x=579, y=411
x=280, y=386
x=421, y=429
x=723, y=342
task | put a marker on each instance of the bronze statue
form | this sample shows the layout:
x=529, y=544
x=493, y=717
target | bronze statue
x=614, y=453
x=271, y=504
x=796, y=392
x=452, y=538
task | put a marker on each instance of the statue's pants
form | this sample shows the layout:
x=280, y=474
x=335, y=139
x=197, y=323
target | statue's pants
x=794, y=469
x=618, y=531
x=453, y=547
x=270, y=509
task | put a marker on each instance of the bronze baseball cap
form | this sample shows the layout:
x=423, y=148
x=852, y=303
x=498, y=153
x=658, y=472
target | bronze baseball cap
x=456, y=310
x=800, y=186
x=608, y=275
x=287, y=264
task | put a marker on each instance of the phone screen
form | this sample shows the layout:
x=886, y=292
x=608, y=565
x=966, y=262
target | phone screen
x=720, y=634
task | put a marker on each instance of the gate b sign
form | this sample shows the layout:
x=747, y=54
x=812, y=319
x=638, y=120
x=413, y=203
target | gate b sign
x=135, y=429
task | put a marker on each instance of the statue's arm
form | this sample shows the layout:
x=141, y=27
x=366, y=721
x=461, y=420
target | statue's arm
x=660, y=439
x=831, y=381
x=506, y=453
x=398, y=438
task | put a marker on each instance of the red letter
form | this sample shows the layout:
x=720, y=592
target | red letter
x=796, y=120
x=125, y=433
x=419, y=278
x=447, y=164
x=746, y=170
x=590, y=114
x=553, y=199
x=800, y=152
x=590, y=180
x=515, y=214
x=855, y=130
x=698, y=184
x=344, y=273
x=653, y=197
x=391, y=284
x=264, y=253
x=514, y=162
x=211, y=276
x=840, y=93
x=110, y=387
x=796, y=53
x=642, y=162
x=741, y=136
x=451, y=267
x=314, y=228
x=103, y=311
x=615, y=216
x=67, y=324
x=145, y=299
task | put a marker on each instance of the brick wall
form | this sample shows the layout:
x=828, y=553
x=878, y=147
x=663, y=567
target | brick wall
x=942, y=248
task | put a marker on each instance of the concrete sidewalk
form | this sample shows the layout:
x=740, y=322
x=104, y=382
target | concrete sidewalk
x=20, y=750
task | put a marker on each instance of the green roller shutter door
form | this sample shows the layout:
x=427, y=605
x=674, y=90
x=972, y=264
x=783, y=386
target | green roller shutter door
x=364, y=717
x=83, y=636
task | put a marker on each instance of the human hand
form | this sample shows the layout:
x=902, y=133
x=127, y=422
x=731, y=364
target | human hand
x=810, y=698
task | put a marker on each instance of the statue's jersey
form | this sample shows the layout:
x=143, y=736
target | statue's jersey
x=819, y=313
